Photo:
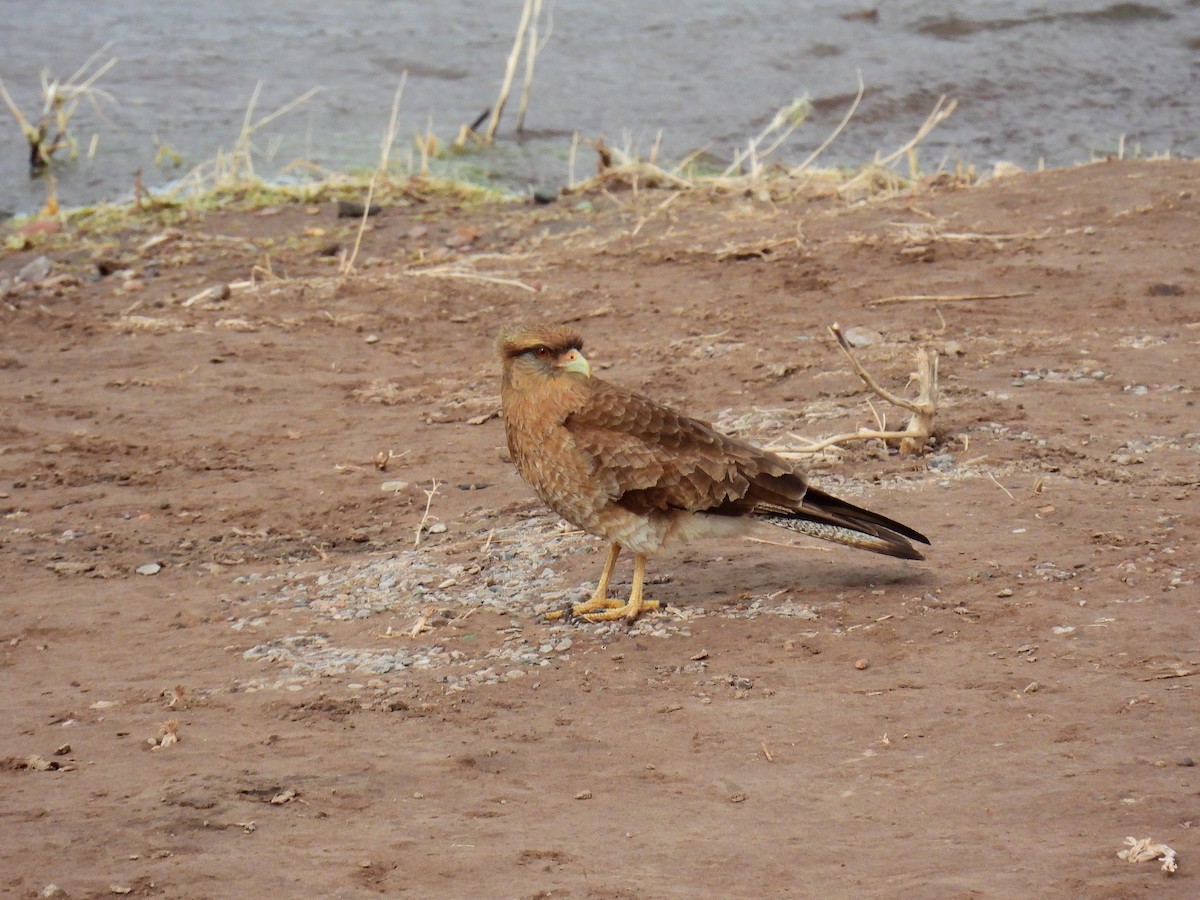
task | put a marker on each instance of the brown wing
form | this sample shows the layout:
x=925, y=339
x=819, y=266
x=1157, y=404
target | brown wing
x=651, y=457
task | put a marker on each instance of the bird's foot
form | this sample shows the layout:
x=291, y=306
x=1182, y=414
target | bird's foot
x=605, y=609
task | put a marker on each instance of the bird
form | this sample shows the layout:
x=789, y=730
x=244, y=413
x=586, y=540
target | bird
x=648, y=478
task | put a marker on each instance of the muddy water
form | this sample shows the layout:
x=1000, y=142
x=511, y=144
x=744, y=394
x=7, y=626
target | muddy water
x=1053, y=81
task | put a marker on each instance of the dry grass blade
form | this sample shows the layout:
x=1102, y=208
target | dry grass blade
x=385, y=149
x=785, y=121
x=941, y=111
x=833, y=134
x=236, y=168
x=450, y=272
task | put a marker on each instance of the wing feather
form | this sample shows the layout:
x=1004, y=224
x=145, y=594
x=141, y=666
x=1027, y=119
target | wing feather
x=652, y=457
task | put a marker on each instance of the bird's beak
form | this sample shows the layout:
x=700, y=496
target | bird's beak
x=575, y=361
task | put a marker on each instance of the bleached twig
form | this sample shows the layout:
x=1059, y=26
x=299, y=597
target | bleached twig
x=945, y=298
x=429, y=495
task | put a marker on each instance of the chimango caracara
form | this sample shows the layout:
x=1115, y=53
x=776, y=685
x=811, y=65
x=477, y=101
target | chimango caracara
x=647, y=478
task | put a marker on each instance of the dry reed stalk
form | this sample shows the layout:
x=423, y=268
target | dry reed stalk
x=531, y=52
x=510, y=69
x=385, y=151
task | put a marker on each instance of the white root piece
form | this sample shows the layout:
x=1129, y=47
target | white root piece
x=915, y=436
x=1145, y=850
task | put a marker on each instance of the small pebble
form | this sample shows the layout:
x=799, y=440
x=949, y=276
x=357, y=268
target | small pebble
x=584, y=795
x=861, y=664
x=1004, y=592
x=437, y=528
x=149, y=569
x=862, y=337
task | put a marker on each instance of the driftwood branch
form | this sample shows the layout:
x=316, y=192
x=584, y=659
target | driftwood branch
x=916, y=434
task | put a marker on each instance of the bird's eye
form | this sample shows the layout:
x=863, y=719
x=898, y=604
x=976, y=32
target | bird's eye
x=542, y=352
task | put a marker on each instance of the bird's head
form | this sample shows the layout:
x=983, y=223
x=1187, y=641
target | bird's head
x=544, y=350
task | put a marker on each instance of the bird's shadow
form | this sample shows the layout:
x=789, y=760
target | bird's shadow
x=696, y=579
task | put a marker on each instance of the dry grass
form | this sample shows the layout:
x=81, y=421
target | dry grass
x=753, y=169
x=60, y=101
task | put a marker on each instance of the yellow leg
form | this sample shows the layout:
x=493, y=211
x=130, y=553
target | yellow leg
x=601, y=607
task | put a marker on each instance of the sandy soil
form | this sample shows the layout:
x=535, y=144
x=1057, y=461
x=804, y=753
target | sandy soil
x=1029, y=694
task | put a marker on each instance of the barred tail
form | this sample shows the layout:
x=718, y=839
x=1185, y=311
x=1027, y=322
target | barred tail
x=826, y=517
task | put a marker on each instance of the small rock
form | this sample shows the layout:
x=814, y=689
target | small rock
x=1004, y=592
x=394, y=486
x=862, y=337
x=67, y=567
x=462, y=236
x=348, y=209
x=371, y=339
x=861, y=664
x=35, y=270
x=584, y=795
x=1165, y=290
x=544, y=194
x=437, y=528
x=149, y=569
x=209, y=295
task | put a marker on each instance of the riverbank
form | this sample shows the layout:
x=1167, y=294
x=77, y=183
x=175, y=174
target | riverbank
x=253, y=484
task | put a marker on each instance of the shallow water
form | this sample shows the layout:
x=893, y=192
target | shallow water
x=1058, y=82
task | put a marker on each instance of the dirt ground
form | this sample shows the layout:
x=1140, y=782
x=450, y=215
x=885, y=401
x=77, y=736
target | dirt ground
x=197, y=530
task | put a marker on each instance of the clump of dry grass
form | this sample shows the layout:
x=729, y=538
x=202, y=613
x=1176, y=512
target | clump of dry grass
x=60, y=101
x=754, y=169
x=233, y=169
